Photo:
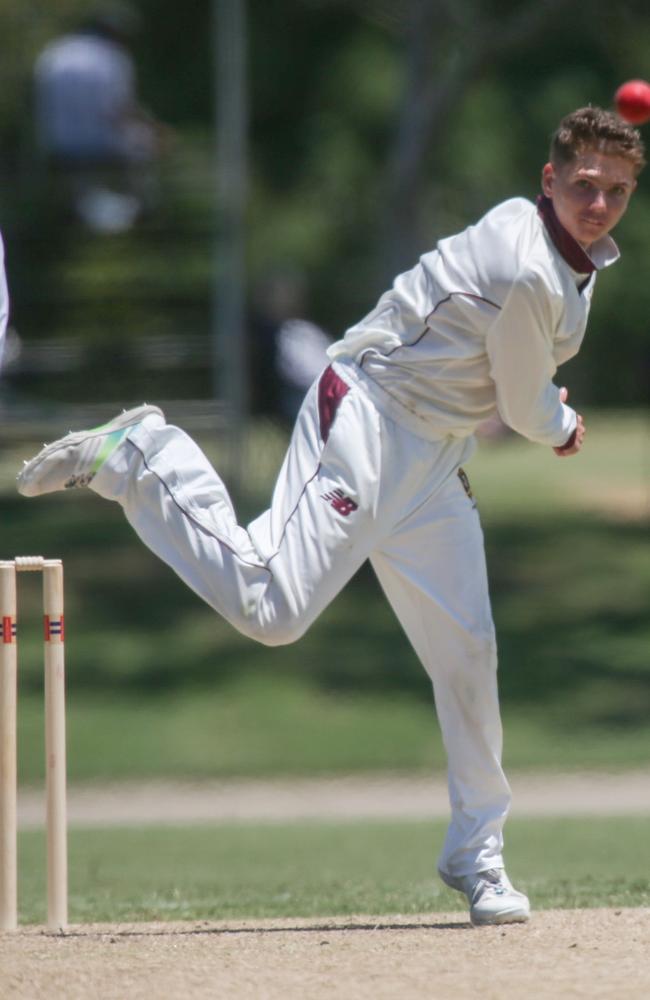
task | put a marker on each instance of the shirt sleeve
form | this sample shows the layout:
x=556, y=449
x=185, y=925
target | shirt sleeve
x=4, y=301
x=520, y=351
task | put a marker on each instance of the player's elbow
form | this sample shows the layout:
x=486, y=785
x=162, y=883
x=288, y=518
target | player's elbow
x=522, y=427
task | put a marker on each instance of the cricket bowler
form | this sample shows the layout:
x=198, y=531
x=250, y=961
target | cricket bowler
x=374, y=469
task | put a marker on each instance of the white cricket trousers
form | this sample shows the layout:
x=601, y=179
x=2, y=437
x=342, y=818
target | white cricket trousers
x=354, y=485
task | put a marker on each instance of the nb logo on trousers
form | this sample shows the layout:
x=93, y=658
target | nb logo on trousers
x=342, y=505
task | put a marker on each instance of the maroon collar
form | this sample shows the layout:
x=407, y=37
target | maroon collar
x=577, y=258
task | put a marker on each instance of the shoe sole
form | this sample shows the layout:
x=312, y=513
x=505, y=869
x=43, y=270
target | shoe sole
x=506, y=917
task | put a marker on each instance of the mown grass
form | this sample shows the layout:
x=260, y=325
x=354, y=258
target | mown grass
x=318, y=869
x=157, y=684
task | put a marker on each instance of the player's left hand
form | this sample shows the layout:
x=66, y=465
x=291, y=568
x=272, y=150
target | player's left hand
x=574, y=444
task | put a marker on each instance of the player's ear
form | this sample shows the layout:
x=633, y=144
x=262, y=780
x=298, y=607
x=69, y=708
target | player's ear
x=548, y=176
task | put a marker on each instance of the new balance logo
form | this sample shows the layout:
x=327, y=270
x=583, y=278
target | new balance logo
x=341, y=504
x=74, y=482
x=462, y=475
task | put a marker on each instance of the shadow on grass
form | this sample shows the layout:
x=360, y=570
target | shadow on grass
x=569, y=596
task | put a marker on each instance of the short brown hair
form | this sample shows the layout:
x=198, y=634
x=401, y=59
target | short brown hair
x=595, y=129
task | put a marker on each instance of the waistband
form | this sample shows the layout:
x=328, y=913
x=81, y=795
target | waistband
x=388, y=406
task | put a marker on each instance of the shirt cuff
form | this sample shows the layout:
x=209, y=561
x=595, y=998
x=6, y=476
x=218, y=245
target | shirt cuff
x=568, y=444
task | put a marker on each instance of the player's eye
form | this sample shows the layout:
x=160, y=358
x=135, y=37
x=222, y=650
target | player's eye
x=583, y=183
x=618, y=190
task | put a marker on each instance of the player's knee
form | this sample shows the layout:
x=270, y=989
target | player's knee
x=275, y=631
x=482, y=646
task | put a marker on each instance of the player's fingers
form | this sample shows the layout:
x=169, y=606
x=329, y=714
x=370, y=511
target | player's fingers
x=564, y=394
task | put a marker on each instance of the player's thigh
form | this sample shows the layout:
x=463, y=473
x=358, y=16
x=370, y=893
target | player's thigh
x=325, y=516
x=433, y=566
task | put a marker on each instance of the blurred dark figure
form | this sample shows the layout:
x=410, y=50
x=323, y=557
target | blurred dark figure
x=98, y=142
x=288, y=352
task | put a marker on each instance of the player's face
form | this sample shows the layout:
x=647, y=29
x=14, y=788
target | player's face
x=590, y=194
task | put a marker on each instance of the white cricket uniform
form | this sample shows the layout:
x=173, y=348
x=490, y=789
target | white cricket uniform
x=478, y=326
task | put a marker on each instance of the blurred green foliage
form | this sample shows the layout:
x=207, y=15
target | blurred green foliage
x=336, y=89
x=160, y=685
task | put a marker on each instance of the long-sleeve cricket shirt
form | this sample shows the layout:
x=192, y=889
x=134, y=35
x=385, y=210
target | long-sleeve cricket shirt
x=479, y=326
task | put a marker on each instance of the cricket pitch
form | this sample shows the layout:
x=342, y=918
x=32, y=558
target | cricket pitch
x=593, y=954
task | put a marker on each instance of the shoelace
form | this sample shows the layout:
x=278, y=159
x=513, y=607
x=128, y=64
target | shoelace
x=493, y=879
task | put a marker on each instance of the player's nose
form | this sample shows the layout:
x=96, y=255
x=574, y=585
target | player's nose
x=599, y=201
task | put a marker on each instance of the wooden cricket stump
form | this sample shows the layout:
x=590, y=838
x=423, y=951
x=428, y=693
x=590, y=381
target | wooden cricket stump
x=56, y=824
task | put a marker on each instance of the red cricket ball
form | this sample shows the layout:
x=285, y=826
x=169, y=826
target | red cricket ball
x=633, y=101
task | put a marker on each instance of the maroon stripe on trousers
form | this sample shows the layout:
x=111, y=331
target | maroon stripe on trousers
x=331, y=390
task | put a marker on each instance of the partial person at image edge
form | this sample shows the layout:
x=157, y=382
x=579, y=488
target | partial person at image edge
x=4, y=301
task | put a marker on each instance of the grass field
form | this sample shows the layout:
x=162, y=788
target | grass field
x=158, y=685
x=312, y=869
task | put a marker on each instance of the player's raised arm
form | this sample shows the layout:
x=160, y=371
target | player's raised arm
x=520, y=348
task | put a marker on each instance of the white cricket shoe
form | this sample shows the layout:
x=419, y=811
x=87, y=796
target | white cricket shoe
x=74, y=460
x=491, y=896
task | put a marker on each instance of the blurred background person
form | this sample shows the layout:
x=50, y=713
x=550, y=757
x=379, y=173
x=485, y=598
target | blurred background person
x=288, y=351
x=301, y=355
x=100, y=144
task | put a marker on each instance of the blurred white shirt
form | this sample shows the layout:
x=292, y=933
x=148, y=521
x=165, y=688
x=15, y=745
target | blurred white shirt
x=84, y=94
x=301, y=352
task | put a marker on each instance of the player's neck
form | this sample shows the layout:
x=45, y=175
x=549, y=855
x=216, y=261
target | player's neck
x=576, y=256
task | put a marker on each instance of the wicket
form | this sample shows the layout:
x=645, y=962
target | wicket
x=57, y=861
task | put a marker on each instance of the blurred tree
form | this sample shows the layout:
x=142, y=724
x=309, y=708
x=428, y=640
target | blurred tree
x=448, y=46
x=378, y=126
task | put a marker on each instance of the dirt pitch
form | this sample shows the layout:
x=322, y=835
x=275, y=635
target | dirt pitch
x=560, y=954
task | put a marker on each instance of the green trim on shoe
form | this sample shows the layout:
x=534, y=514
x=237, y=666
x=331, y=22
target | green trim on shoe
x=108, y=447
